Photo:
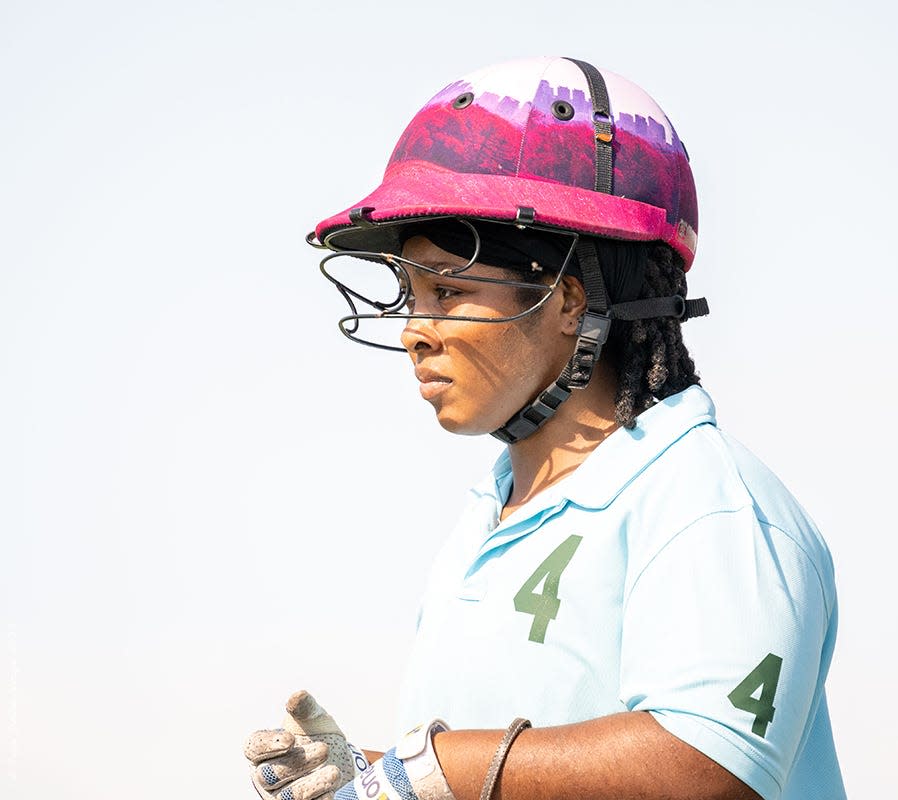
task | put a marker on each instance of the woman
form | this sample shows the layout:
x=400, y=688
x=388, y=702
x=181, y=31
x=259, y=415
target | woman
x=633, y=582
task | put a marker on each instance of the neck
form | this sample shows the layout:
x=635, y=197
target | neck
x=577, y=428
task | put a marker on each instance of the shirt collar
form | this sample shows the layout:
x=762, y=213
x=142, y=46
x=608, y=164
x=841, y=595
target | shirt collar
x=608, y=470
x=617, y=461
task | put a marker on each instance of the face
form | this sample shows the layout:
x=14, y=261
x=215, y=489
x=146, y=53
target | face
x=476, y=375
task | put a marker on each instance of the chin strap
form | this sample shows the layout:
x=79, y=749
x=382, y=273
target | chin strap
x=592, y=333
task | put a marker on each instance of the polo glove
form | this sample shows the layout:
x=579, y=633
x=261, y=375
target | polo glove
x=307, y=758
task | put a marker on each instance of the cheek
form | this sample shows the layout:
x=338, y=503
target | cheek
x=508, y=358
x=497, y=369
x=542, y=348
x=524, y=355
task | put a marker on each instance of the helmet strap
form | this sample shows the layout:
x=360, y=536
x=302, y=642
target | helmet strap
x=592, y=333
x=603, y=128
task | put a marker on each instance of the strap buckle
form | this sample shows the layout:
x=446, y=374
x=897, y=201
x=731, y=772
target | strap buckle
x=592, y=333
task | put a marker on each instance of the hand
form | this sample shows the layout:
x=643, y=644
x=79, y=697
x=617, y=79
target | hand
x=308, y=758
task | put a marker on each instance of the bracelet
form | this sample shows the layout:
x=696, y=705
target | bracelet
x=492, y=774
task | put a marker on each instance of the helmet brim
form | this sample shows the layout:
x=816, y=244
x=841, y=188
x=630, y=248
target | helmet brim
x=420, y=189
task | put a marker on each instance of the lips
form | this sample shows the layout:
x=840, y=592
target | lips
x=431, y=383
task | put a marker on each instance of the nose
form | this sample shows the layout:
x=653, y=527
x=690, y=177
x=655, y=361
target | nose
x=420, y=335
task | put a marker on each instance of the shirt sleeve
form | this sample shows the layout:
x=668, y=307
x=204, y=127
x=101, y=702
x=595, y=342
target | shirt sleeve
x=724, y=631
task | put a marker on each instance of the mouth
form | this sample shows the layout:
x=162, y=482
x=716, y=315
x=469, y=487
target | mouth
x=431, y=383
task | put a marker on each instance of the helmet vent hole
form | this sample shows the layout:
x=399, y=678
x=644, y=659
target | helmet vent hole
x=562, y=110
x=463, y=100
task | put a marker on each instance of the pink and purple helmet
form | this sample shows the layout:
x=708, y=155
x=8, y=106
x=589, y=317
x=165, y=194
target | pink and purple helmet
x=578, y=150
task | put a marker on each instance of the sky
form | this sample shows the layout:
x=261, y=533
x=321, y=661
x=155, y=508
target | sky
x=209, y=499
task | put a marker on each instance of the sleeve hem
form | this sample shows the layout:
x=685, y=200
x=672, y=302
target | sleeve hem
x=724, y=751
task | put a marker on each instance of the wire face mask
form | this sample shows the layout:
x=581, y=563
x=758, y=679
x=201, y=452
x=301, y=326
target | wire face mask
x=377, y=286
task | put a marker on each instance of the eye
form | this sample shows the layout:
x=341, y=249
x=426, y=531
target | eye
x=446, y=292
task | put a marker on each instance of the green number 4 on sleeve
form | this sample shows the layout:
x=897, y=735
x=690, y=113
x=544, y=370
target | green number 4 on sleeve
x=544, y=605
x=765, y=677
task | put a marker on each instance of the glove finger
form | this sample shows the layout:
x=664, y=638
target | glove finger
x=275, y=772
x=302, y=706
x=263, y=745
x=304, y=715
x=319, y=782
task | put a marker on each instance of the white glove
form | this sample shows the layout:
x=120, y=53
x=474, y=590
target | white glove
x=308, y=758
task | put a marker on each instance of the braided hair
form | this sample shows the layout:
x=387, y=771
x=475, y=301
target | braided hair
x=649, y=355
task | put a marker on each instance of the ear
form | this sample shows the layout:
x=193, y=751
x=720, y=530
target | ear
x=573, y=303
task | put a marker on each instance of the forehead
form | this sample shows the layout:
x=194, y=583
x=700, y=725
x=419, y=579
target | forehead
x=423, y=251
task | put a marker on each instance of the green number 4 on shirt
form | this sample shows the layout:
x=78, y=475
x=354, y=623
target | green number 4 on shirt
x=544, y=605
x=765, y=677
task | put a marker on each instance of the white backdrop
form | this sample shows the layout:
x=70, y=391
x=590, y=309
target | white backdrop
x=190, y=451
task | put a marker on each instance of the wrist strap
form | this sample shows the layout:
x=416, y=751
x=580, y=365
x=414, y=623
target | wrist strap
x=492, y=774
x=419, y=759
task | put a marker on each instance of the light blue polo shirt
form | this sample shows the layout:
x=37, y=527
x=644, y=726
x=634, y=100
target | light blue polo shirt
x=671, y=572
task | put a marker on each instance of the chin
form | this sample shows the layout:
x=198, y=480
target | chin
x=464, y=426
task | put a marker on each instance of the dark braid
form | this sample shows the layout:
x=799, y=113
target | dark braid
x=649, y=355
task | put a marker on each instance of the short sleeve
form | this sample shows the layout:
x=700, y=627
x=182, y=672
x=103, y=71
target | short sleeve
x=724, y=631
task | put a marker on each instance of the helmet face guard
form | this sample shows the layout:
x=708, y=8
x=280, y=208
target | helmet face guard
x=387, y=295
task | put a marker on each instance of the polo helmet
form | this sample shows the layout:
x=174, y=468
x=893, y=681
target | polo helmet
x=549, y=144
x=586, y=151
